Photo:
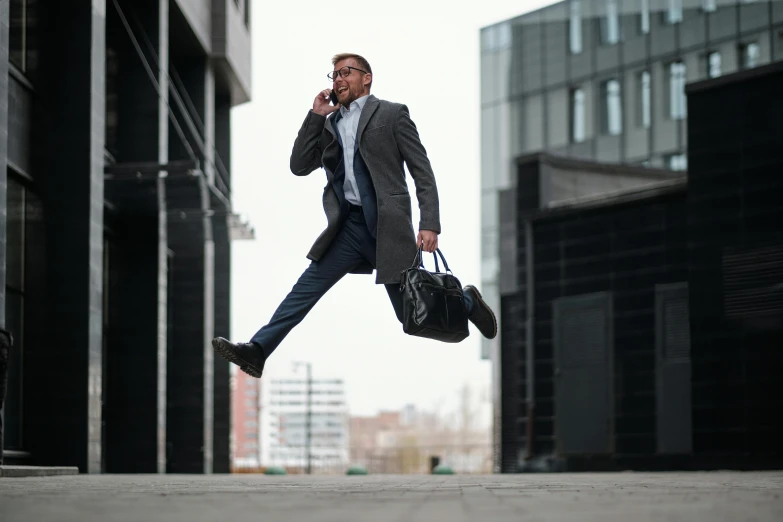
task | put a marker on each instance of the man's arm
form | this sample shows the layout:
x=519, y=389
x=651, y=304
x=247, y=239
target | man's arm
x=306, y=155
x=415, y=156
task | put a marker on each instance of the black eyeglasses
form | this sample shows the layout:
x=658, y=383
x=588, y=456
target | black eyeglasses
x=343, y=72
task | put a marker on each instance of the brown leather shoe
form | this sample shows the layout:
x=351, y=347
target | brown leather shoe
x=248, y=356
x=482, y=315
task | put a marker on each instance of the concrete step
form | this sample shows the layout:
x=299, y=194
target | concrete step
x=37, y=471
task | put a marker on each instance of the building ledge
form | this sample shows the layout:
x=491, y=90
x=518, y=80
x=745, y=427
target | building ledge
x=629, y=195
x=596, y=167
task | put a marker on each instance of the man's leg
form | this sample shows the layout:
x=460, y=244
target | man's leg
x=343, y=255
x=481, y=315
x=319, y=277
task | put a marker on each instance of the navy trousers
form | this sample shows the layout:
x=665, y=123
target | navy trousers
x=352, y=246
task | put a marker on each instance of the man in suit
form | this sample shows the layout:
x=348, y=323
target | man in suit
x=361, y=142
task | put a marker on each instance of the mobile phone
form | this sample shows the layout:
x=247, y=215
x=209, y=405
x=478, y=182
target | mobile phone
x=333, y=97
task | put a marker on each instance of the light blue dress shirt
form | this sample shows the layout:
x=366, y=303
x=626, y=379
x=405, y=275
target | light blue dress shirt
x=347, y=126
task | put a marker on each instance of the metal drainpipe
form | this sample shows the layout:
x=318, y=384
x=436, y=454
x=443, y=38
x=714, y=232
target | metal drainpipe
x=529, y=337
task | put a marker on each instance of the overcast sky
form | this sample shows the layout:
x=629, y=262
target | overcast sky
x=424, y=54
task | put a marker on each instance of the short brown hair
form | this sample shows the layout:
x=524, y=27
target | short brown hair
x=364, y=64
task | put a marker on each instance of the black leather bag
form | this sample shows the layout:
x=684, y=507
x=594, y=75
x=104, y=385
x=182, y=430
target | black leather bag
x=433, y=305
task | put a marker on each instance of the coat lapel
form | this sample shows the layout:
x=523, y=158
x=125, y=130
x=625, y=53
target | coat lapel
x=332, y=122
x=369, y=108
x=331, y=127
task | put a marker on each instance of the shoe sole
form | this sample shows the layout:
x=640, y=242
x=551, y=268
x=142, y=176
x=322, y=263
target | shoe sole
x=228, y=353
x=491, y=313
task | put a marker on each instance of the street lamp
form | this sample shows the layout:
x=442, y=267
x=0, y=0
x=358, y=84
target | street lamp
x=308, y=412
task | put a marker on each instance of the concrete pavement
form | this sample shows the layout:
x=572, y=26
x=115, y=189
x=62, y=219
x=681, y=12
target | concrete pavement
x=599, y=497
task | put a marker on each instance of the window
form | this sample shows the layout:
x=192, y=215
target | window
x=611, y=108
x=644, y=100
x=610, y=24
x=709, y=6
x=577, y=115
x=749, y=55
x=674, y=12
x=713, y=64
x=677, y=106
x=22, y=37
x=677, y=161
x=644, y=17
x=575, y=27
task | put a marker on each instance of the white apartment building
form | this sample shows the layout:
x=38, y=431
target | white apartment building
x=284, y=420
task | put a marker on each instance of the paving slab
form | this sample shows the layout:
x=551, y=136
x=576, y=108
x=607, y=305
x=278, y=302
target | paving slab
x=586, y=497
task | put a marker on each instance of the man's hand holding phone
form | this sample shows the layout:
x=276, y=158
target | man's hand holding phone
x=321, y=104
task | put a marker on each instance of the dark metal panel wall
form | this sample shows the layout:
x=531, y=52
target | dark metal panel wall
x=132, y=366
x=512, y=386
x=222, y=294
x=68, y=360
x=189, y=431
x=222, y=388
x=135, y=400
x=673, y=369
x=734, y=211
x=627, y=250
x=582, y=337
x=20, y=120
x=4, y=6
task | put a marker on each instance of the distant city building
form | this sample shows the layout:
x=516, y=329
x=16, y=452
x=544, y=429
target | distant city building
x=408, y=440
x=284, y=420
x=246, y=421
x=409, y=415
x=368, y=433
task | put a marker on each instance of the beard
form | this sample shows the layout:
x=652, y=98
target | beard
x=349, y=97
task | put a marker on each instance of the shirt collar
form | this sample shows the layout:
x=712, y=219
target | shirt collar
x=357, y=103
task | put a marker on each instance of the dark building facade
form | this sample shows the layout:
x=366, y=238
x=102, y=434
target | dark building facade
x=603, y=80
x=646, y=325
x=582, y=381
x=116, y=196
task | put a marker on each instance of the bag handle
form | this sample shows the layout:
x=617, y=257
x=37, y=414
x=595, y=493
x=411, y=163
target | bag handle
x=418, y=261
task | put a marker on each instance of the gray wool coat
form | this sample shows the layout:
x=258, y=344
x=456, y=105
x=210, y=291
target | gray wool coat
x=387, y=137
